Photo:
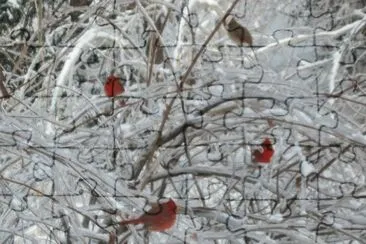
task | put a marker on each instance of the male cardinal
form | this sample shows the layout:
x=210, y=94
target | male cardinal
x=264, y=155
x=113, y=87
x=238, y=33
x=159, y=218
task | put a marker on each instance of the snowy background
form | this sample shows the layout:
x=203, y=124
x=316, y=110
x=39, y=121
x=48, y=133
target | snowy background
x=74, y=162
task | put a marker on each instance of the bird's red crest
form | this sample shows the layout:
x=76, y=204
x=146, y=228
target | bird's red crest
x=171, y=205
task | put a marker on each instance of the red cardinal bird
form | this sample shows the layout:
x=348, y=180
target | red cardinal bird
x=113, y=87
x=159, y=218
x=265, y=154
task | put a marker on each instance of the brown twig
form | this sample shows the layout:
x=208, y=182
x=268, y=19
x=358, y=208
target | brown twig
x=157, y=142
x=3, y=90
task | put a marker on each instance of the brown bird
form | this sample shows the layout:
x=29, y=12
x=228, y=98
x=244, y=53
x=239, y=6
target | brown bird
x=238, y=33
x=160, y=217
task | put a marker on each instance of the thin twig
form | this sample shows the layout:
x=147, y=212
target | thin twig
x=3, y=90
x=157, y=142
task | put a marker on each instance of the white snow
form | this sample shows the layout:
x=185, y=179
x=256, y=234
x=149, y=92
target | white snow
x=307, y=168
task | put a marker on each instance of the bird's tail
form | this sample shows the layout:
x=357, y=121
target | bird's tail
x=131, y=222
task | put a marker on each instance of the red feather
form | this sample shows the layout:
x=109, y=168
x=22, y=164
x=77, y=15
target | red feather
x=113, y=86
x=160, y=218
x=264, y=155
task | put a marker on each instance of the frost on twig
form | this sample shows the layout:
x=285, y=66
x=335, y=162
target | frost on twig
x=189, y=124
